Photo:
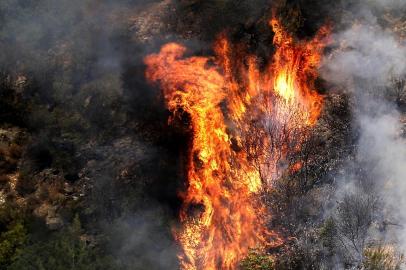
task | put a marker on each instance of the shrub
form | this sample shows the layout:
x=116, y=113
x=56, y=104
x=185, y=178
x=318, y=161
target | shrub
x=11, y=242
x=14, y=151
x=26, y=184
x=257, y=260
x=382, y=258
x=63, y=250
x=13, y=234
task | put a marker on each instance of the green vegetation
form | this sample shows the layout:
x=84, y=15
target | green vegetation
x=257, y=261
x=90, y=172
x=13, y=235
x=63, y=250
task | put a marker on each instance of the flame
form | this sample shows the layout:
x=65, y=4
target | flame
x=295, y=66
x=232, y=104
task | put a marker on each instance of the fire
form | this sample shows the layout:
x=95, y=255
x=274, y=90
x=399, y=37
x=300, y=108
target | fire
x=296, y=69
x=236, y=111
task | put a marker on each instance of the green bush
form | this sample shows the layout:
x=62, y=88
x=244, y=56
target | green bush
x=13, y=234
x=256, y=260
x=11, y=243
x=64, y=250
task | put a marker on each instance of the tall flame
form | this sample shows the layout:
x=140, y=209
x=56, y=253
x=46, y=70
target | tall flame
x=222, y=215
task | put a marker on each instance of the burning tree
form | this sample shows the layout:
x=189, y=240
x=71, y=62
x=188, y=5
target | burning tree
x=246, y=122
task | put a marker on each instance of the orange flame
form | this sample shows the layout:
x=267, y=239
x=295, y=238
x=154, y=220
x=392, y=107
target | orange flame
x=222, y=215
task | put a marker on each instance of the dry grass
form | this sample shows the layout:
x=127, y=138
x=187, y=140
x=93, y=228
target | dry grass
x=383, y=258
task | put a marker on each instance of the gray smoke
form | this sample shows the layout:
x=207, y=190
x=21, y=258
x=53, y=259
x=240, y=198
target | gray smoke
x=84, y=58
x=370, y=59
x=388, y=3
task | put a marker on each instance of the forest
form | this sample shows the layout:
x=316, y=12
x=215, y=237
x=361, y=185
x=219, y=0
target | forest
x=202, y=134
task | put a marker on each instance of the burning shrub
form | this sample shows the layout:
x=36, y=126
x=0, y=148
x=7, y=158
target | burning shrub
x=252, y=107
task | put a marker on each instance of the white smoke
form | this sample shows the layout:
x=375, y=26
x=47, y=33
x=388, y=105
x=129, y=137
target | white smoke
x=369, y=59
x=369, y=53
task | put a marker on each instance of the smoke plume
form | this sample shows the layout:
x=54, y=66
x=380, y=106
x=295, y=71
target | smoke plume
x=368, y=64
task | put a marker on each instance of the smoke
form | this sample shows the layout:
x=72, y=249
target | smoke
x=140, y=242
x=369, y=59
x=370, y=54
x=388, y=4
x=79, y=65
